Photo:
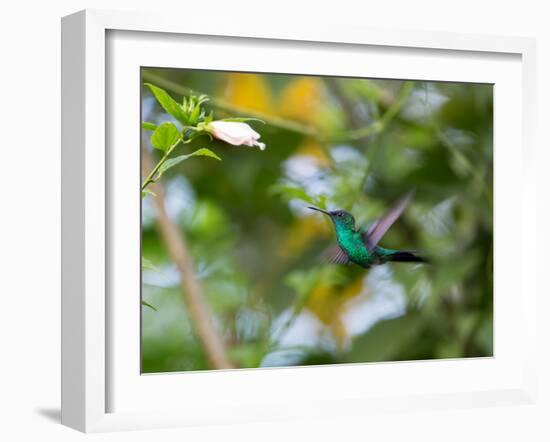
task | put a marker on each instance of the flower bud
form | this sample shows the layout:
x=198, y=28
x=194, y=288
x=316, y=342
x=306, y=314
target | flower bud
x=235, y=133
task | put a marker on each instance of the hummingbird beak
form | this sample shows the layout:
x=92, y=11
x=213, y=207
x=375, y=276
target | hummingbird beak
x=319, y=210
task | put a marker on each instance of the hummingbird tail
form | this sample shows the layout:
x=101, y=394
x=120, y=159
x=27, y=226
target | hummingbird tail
x=406, y=256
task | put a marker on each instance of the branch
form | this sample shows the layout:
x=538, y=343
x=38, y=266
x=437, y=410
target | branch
x=359, y=133
x=219, y=103
x=192, y=294
x=347, y=106
x=363, y=134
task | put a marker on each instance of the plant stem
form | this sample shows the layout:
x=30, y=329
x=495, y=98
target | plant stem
x=191, y=290
x=150, y=178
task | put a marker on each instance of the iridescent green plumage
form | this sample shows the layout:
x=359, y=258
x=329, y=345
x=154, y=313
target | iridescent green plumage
x=360, y=246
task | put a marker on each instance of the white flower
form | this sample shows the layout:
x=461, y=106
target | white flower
x=235, y=133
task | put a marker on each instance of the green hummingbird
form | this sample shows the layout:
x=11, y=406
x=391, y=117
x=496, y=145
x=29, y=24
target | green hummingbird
x=359, y=246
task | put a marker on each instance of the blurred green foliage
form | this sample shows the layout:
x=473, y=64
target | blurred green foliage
x=354, y=144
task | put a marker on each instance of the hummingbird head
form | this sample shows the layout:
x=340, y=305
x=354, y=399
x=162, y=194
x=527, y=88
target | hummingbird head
x=340, y=218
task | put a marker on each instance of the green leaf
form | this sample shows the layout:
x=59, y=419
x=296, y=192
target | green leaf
x=168, y=103
x=165, y=136
x=395, y=334
x=146, y=264
x=194, y=115
x=247, y=355
x=148, y=305
x=198, y=134
x=202, y=99
x=146, y=192
x=174, y=161
x=148, y=126
x=242, y=120
x=290, y=191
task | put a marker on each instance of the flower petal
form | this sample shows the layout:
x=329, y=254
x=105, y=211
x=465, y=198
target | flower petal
x=235, y=133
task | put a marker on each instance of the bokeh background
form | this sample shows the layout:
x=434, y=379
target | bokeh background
x=354, y=144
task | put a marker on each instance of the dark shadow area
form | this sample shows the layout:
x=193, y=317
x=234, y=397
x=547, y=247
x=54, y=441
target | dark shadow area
x=51, y=414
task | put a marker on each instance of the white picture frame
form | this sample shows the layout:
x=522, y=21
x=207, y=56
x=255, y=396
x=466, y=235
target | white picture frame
x=89, y=321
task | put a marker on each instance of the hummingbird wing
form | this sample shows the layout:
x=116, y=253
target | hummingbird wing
x=377, y=230
x=336, y=255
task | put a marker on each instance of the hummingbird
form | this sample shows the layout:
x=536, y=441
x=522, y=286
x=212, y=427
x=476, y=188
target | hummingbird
x=360, y=246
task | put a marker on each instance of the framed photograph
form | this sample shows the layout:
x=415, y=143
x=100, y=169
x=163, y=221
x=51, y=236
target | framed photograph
x=287, y=223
